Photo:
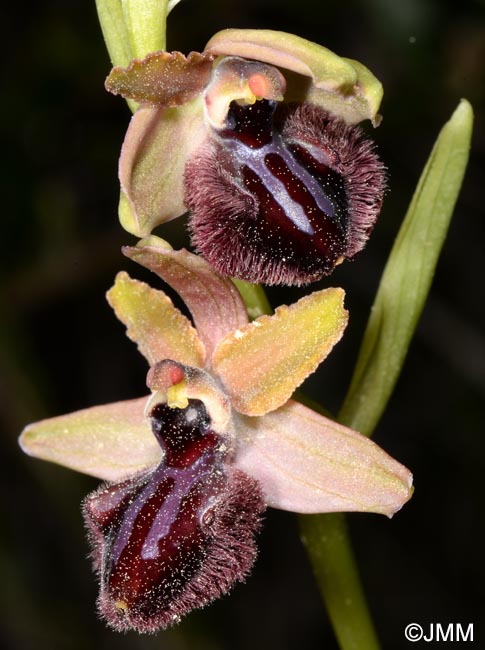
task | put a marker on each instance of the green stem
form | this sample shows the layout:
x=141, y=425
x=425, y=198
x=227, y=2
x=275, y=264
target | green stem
x=115, y=31
x=328, y=544
x=254, y=298
x=327, y=541
x=146, y=22
x=400, y=299
x=133, y=28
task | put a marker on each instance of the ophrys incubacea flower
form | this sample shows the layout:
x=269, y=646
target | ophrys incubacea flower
x=257, y=137
x=192, y=466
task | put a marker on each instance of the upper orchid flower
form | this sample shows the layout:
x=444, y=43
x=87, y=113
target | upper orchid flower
x=256, y=137
x=195, y=463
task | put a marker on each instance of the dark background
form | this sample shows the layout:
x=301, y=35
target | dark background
x=62, y=349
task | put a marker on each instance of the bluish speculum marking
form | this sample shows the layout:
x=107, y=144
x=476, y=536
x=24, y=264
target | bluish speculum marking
x=302, y=201
x=154, y=525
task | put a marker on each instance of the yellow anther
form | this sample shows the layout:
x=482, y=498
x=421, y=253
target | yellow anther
x=177, y=395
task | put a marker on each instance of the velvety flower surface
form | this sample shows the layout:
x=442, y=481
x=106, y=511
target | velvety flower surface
x=257, y=137
x=191, y=466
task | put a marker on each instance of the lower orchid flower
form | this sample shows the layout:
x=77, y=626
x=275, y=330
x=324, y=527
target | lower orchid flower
x=257, y=137
x=191, y=467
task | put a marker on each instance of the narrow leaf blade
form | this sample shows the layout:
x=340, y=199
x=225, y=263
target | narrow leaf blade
x=408, y=275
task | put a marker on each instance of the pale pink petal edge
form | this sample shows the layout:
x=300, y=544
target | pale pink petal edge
x=309, y=464
x=214, y=302
x=109, y=442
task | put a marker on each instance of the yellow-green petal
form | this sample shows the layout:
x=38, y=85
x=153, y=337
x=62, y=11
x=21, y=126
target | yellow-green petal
x=261, y=364
x=152, y=163
x=110, y=442
x=341, y=86
x=158, y=328
x=214, y=302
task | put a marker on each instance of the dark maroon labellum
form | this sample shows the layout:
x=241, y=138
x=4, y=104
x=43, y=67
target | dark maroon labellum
x=175, y=538
x=283, y=193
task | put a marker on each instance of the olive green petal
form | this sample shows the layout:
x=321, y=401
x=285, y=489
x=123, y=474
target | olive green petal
x=261, y=364
x=152, y=164
x=159, y=329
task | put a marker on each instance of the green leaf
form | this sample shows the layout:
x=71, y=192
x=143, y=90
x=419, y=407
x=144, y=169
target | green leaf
x=133, y=29
x=408, y=275
x=399, y=302
x=115, y=31
x=146, y=23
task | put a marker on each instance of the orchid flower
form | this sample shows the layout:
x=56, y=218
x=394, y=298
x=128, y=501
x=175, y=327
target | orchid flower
x=191, y=467
x=257, y=137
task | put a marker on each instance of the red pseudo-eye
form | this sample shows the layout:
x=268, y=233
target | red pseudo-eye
x=173, y=539
x=282, y=193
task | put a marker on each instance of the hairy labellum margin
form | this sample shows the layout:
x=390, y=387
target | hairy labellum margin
x=283, y=193
x=173, y=539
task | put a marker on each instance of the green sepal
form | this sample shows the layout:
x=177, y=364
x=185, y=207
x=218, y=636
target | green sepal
x=341, y=86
